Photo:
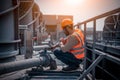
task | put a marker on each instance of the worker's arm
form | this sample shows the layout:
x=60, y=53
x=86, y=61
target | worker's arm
x=63, y=40
x=72, y=41
x=54, y=46
x=60, y=43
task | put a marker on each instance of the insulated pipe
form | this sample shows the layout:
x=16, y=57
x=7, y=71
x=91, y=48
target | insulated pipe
x=27, y=20
x=23, y=64
x=8, y=30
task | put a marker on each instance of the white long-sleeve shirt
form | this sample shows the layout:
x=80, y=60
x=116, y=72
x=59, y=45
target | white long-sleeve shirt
x=71, y=41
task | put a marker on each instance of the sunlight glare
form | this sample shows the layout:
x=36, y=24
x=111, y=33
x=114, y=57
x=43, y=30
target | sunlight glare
x=74, y=2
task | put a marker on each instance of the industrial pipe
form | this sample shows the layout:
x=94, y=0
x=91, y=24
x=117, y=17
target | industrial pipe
x=23, y=64
x=8, y=30
x=26, y=19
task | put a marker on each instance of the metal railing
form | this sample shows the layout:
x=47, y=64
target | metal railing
x=98, y=55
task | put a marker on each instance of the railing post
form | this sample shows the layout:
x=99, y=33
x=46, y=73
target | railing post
x=84, y=65
x=94, y=42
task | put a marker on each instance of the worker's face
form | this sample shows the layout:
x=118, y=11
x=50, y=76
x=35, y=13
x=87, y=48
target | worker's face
x=65, y=30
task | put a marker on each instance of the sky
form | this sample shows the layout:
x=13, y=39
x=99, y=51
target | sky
x=80, y=9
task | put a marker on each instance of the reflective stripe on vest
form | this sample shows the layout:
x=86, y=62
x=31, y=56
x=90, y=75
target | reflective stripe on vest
x=80, y=39
x=78, y=50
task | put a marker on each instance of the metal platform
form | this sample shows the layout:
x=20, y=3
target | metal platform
x=54, y=75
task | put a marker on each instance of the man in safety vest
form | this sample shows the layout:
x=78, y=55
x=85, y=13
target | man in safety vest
x=71, y=50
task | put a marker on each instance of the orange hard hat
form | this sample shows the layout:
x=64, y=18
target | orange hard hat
x=66, y=22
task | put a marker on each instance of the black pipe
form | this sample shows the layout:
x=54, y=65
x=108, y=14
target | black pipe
x=23, y=64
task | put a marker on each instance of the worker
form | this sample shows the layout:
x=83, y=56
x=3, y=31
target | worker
x=71, y=50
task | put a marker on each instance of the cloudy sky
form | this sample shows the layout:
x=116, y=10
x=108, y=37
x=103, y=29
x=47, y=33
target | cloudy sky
x=80, y=9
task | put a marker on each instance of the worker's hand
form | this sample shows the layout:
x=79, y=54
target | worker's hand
x=54, y=46
x=63, y=40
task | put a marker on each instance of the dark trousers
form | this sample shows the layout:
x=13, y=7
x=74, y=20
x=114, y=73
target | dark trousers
x=67, y=58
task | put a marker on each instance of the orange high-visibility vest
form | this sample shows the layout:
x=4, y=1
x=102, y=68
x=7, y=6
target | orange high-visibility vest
x=78, y=50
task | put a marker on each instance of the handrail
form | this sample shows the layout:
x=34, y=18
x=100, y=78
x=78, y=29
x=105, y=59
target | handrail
x=101, y=54
x=101, y=16
x=10, y=9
